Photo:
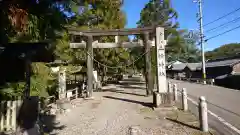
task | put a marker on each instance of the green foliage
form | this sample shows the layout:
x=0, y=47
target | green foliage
x=224, y=51
x=96, y=15
x=182, y=48
x=11, y=90
x=32, y=21
x=159, y=12
x=179, y=46
x=42, y=80
x=62, y=50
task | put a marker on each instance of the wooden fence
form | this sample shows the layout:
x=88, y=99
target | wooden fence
x=73, y=94
x=9, y=110
x=8, y=114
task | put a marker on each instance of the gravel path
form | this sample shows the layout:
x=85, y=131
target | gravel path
x=114, y=111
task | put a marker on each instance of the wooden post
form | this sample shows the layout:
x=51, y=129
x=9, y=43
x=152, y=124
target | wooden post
x=27, y=76
x=184, y=99
x=2, y=118
x=116, y=39
x=89, y=66
x=14, y=115
x=8, y=118
x=148, y=67
x=203, y=114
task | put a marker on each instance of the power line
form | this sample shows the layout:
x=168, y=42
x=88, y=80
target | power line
x=223, y=33
x=222, y=17
x=224, y=24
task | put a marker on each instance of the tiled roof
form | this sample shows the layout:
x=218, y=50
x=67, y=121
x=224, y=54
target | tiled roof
x=193, y=66
x=178, y=67
x=223, y=63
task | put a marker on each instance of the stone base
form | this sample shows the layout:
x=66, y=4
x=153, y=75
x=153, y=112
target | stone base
x=156, y=99
x=162, y=99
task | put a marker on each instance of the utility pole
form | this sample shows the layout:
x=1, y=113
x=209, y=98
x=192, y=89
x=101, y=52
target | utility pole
x=200, y=20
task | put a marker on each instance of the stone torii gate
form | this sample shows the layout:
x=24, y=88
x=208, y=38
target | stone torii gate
x=160, y=95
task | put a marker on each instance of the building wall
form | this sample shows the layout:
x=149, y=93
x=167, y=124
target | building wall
x=236, y=68
x=229, y=82
x=214, y=72
x=188, y=72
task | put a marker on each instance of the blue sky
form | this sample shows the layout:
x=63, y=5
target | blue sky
x=212, y=9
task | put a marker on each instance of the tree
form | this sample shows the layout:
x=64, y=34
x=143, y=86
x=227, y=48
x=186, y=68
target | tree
x=182, y=47
x=31, y=21
x=227, y=50
x=156, y=12
x=96, y=15
x=28, y=20
x=159, y=12
x=179, y=46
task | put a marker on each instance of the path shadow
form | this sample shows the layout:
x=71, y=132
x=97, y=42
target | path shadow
x=145, y=104
x=184, y=124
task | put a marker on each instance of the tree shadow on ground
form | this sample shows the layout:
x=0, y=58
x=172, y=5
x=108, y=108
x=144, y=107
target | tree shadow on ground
x=183, y=124
x=49, y=124
x=131, y=83
x=145, y=104
x=122, y=92
x=132, y=87
x=31, y=121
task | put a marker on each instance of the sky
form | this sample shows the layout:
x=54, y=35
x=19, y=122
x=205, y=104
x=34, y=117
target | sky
x=187, y=10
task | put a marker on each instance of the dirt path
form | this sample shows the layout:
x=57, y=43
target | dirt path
x=115, y=110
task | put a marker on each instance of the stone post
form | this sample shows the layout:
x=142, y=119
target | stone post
x=175, y=90
x=62, y=83
x=170, y=93
x=76, y=94
x=212, y=81
x=160, y=43
x=170, y=87
x=89, y=67
x=203, y=114
x=184, y=99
